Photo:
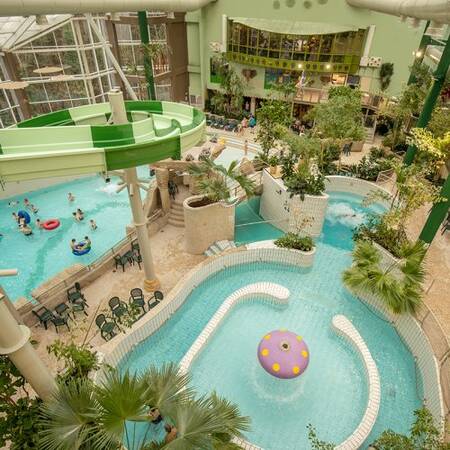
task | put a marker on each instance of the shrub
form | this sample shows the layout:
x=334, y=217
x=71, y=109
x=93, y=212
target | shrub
x=294, y=241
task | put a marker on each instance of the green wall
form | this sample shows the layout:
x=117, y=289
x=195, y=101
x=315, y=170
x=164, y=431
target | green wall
x=393, y=41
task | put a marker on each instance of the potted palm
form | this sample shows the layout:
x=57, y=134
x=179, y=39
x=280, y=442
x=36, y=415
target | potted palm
x=209, y=216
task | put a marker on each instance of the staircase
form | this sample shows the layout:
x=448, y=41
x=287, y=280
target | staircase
x=176, y=213
x=219, y=247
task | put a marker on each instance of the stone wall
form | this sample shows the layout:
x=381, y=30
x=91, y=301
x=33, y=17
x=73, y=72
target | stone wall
x=207, y=224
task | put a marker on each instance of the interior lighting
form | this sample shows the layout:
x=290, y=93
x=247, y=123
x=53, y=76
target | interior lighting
x=328, y=66
x=300, y=65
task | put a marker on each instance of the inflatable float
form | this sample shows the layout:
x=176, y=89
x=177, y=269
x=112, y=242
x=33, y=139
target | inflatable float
x=51, y=224
x=24, y=215
x=81, y=249
x=283, y=354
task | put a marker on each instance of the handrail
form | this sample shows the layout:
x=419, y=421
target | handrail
x=262, y=221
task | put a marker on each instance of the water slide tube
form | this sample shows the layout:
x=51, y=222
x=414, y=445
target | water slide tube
x=79, y=140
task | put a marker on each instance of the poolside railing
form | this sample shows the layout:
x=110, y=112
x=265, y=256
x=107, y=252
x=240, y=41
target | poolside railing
x=92, y=267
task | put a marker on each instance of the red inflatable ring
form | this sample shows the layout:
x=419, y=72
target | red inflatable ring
x=51, y=224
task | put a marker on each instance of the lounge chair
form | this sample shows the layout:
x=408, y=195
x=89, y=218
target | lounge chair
x=155, y=299
x=106, y=327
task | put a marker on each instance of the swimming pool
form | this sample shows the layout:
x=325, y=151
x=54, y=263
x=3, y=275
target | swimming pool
x=45, y=253
x=332, y=393
x=230, y=154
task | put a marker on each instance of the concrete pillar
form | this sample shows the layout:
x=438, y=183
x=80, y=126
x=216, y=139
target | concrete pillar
x=253, y=105
x=119, y=116
x=162, y=178
x=15, y=343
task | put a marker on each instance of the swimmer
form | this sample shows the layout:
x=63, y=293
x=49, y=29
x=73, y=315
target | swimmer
x=93, y=225
x=70, y=197
x=26, y=230
x=39, y=224
x=26, y=202
x=80, y=214
x=75, y=216
x=34, y=209
x=13, y=203
x=22, y=221
x=73, y=244
x=155, y=415
x=15, y=217
x=87, y=242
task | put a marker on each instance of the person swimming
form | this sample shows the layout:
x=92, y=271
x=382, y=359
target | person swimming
x=34, y=209
x=80, y=214
x=13, y=203
x=70, y=197
x=73, y=244
x=39, y=224
x=87, y=242
x=93, y=224
x=26, y=203
x=26, y=230
x=15, y=217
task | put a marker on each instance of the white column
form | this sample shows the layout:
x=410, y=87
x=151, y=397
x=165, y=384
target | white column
x=253, y=105
x=119, y=116
x=224, y=32
x=15, y=343
x=367, y=46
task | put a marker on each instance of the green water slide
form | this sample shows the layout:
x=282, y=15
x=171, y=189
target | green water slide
x=80, y=140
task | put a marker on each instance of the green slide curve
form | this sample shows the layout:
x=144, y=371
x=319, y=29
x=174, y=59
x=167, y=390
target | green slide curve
x=79, y=140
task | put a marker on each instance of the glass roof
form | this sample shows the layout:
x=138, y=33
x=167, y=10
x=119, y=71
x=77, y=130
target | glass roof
x=17, y=30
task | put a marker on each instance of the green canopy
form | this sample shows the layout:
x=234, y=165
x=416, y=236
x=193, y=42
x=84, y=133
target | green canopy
x=294, y=28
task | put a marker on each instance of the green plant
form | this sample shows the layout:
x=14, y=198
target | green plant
x=212, y=179
x=340, y=118
x=399, y=285
x=294, y=241
x=303, y=182
x=386, y=72
x=423, y=435
x=78, y=360
x=228, y=100
x=316, y=443
x=85, y=416
x=19, y=412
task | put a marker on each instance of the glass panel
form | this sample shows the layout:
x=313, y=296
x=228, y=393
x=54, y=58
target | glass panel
x=263, y=43
x=126, y=55
x=36, y=93
x=100, y=59
x=48, y=60
x=39, y=108
x=71, y=62
x=97, y=87
x=157, y=31
x=235, y=34
x=123, y=32
x=57, y=91
x=253, y=37
x=342, y=43
x=135, y=35
x=312, y=45
x=84, y=31
x=90, y=57
x=77, y=89
x=7, y=118
x=327, y=42
x=3, y=102
x=47, y=40
x=243, y=36
x=287, y=45
x=64, y=35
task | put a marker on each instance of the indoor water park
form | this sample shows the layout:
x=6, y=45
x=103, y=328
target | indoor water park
x=225, y=225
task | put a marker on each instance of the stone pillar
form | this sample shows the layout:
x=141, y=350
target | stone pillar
x=15, y=343
x=162, y=178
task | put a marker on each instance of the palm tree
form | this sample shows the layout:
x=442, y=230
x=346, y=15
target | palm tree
x=214, y=178
x=85, y=416
x=399, y=286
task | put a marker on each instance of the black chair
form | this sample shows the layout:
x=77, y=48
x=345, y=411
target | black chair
x=122, y=260
x=62, y=310
x=135, y=246
x=74, y=294
x=106, y=327
x=43, y=314
x=118, y=308
x=137, y=299
x=79, y=307
x=155, y=299
x=137, y=257
x=60, y=321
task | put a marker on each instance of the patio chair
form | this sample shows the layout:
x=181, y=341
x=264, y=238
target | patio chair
x=118, y=308
x=62, y=310
x=74, y=295
x=155, y=299
x=121, y=261
x=137, y=299
x=43, y=314
x=106, y=327
x=137, y=258
x=60, y=321
x=135, y=246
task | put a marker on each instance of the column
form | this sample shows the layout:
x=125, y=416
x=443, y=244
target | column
x=162, y=178
x=148, y=67
x=253, y=105
x=15, y=343
x=432, y=97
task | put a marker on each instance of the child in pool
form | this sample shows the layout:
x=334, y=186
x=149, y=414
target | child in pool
x=93, y=224
x=70, y=197
x=34, y=209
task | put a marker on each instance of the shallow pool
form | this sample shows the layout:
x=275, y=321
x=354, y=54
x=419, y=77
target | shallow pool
x=230, y=154
x=45, y=253
x=332, y=393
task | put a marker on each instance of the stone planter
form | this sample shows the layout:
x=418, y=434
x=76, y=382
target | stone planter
x=288, y=213
x=206, y=223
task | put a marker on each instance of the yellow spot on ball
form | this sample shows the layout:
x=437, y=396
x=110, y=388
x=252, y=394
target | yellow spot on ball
x=304, y=353
x=296, y=370
x=267, y=337
x=265, y=352
x=276, y=367
x=299, y=338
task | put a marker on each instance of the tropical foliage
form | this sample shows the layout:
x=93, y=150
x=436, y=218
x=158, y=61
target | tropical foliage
x=386, y=72
x=19, y=411
x=398, y=285
x=304, y=181
x=228, y=99
x=371, y=165
x=85, y=416
x=340, y=118
x=296, y=242
x=212, y=179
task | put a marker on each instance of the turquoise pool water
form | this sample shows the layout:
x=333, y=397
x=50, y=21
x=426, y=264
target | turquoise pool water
x=332, y=394
x=45, y=253
x=230, y=154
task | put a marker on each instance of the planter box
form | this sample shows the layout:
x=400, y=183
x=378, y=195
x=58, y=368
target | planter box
x=207, y=224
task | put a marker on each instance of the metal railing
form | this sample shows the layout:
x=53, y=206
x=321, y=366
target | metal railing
x=94, y=265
